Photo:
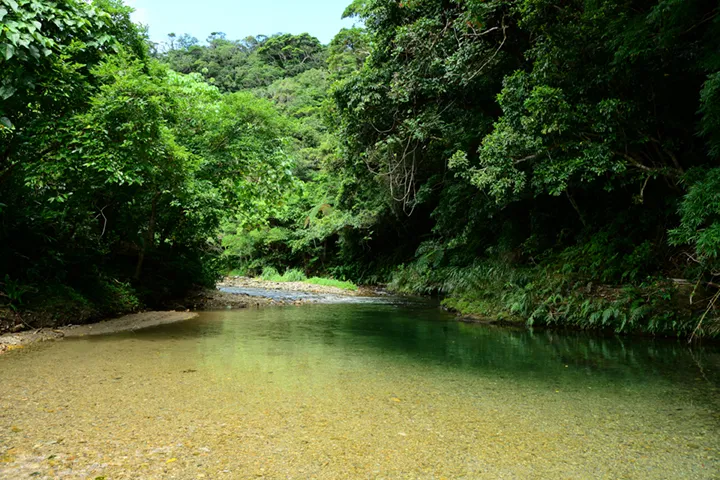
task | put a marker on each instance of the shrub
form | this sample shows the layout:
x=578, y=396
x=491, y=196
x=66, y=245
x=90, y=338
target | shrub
x=330, y=282
x=270, y=274
x=294, y=275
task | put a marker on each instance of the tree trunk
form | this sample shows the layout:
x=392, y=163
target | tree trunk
x=576, y=208
x=150, y=237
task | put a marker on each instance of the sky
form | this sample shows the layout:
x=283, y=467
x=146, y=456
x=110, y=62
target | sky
x=240, y=18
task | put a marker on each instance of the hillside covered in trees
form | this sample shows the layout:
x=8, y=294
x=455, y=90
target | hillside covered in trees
x=551, y=163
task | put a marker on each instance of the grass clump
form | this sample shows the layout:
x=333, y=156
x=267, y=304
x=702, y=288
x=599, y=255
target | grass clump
x=331, y=282
x=294, y=275
x=270, y=274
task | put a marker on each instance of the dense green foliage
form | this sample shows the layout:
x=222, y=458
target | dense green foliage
x=116, y=172
x=270, y=274
x=534, y=161
x=580, y=128
x=528, y=160
x=243, y=64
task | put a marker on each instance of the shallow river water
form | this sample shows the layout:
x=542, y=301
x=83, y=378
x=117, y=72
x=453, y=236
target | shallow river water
x=357, y=391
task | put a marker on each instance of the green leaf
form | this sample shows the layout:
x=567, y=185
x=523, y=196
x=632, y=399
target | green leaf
x=4, y=121
x=9, y=51
x=13, y=4
x=13, y=37
x=6, y=92
x=3, y=12
x=34, y=52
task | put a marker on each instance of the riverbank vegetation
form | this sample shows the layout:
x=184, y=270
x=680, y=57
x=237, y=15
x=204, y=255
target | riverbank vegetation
x=269, y=274
x=556, y=165
x=116, y=171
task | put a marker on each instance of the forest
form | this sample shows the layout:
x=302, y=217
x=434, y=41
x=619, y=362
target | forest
x=554, y=164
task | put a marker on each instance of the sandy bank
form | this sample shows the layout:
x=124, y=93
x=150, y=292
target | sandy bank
x=128, y=322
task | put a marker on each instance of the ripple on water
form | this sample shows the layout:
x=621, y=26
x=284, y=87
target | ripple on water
x=357, y=391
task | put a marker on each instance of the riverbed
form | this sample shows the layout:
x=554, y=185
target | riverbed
x=364, y=390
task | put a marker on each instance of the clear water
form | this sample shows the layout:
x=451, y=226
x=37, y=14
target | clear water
x=357, y=391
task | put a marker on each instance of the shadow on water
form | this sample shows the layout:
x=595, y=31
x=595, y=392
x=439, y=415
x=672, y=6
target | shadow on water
x=415, y=333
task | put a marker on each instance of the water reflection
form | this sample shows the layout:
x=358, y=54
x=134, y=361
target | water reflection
x=428, y=335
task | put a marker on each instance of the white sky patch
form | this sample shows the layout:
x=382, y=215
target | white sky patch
x=140, y=15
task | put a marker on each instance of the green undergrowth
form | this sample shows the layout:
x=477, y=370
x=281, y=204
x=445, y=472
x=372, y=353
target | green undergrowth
x=59, y=304
x=270, y=274
x=331, y=282
x=545, y=296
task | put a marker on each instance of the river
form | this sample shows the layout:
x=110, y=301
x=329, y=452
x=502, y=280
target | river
x=357, y=391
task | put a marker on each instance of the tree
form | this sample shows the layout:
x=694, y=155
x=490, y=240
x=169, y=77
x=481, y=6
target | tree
x=292, y=53
x=248, y=63
x=116, y=170
x=347, y=51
